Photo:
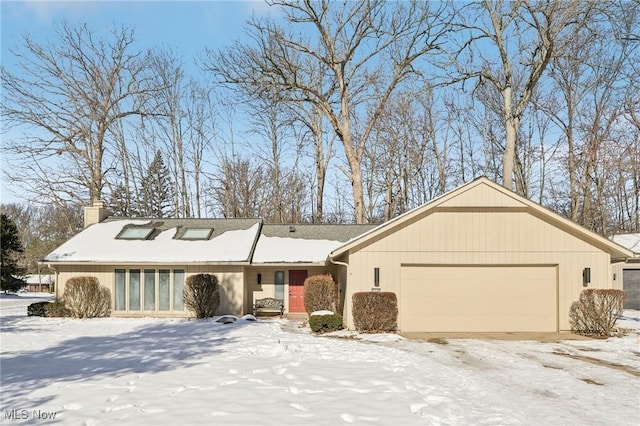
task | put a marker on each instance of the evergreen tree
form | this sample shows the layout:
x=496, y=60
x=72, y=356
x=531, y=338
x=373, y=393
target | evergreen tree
x=122, y=203
x=11, y=247
x=157, y=192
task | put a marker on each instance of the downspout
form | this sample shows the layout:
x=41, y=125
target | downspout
x=56, y=280
x=346, y=265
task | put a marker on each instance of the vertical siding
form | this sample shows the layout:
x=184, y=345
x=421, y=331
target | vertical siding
x=480, y=238
x=230, y=278
x=267, y=288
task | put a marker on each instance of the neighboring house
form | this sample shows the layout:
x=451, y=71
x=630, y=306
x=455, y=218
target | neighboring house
x=40, y=283
x=479, y=258
x=626, y=275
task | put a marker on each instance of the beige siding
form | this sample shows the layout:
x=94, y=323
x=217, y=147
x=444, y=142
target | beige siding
x=617, y=269
x=267, y=288
x=479, y=238
x=482, y=196
x=231, y=281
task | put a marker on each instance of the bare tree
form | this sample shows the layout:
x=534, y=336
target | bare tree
x=69, y=94
x=360, y=44
x=509, y=47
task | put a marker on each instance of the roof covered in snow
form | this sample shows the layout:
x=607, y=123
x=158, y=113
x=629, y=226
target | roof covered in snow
x=228, y=241
x=302, y=243
x=630, y=241
x=129, y=241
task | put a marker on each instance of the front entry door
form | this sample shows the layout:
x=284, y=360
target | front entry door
x=296, y=290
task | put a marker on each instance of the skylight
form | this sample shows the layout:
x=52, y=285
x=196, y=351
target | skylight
x=135, y=233
x=196, y=234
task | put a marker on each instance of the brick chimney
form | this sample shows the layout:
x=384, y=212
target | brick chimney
x=95, y=214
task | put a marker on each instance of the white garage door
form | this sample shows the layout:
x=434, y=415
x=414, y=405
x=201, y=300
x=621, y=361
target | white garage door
x=478, y=299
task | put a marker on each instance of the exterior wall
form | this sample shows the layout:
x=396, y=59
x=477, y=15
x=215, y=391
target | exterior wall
x=617, y=269
x=267, y=288
x=481, y=237
x=231, y=281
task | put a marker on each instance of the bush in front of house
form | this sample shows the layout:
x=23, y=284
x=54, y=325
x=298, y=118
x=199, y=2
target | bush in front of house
x=320, y=293
x=325, y=323
x=201, y=295
x=57, y=308
x=84, y=297
x=596, y=311
x=37, y=309
x=375, y=311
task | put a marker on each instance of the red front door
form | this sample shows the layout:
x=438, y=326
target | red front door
x=296, y=290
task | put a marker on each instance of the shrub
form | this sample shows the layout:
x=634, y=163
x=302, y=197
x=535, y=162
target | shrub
x=84, y=297
x=201, y=295
x=37, y=309
x=57, y=308
x=375, y=311
x=325, y=323
x=320, y=293
x=596, y=311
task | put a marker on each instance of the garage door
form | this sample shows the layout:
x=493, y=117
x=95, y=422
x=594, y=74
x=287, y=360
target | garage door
x=478, y=299
x=631, y=286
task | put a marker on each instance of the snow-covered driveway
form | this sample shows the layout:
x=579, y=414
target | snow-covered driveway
x=157, y=371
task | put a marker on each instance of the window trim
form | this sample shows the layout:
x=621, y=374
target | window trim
x=198, y=236
x=124, y=233
x=142, y=272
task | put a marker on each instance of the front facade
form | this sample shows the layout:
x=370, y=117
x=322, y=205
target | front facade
x=145, y=262
x=478, y=259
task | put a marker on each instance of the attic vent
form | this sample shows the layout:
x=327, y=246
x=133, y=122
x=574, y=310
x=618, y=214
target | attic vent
x=135, y=233
x=196, y=234
x=292, y=229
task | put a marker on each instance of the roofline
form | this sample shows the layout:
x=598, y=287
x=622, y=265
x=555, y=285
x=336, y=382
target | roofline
x=116, y=263
x=614, y=249
x=322, y=263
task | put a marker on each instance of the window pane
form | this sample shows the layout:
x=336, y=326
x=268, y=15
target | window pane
x=135, y=233
x=178, y=288
x=149, y=290
x=134, y=290
x=164, y=296
x=279, y=280
x=120, y=290
x=197, y=234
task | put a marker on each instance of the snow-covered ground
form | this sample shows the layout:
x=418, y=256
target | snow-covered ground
x=168, y=372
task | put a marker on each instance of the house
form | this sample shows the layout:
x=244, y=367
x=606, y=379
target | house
x=626, y=275
x=145, y=262
x=40, y=282
x=479, y=258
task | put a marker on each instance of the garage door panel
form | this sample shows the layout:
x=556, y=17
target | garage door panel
x=631, y=286
x=478, y=298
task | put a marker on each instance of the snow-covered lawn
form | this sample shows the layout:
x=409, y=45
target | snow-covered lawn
x=169, y=372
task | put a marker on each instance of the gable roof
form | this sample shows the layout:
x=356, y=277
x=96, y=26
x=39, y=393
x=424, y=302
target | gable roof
x=302, y=243
x=232, y=240
x=484, y=193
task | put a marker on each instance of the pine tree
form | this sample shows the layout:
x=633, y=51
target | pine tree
x=122, y=203
x=11, y=247
x=156, y=187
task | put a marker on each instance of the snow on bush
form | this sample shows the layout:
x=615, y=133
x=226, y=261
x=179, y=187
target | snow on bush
x=320, y=293
x=201, y=295
x=375, y=311
x=84, y=297
x=596, y=311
